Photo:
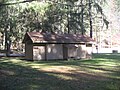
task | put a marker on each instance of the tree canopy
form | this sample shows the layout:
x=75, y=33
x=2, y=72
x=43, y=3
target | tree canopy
x=61, y=16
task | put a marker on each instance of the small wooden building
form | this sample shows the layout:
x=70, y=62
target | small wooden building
x=50, y=46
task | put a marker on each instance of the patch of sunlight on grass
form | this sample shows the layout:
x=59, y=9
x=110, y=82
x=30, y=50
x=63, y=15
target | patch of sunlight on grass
x=60, y=69
x=33, y=87
x=109, y=63
x=113, y=76
x=106, y=62
x=94, y=71
x=61, y=76
x=27, y=64
x=97, y=71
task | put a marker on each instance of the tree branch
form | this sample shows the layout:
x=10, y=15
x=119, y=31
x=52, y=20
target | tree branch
x=6, y=4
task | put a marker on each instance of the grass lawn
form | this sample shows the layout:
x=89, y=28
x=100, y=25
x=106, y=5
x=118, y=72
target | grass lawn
x=100, y=73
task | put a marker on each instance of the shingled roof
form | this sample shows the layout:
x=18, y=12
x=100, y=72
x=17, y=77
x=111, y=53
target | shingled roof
x=44, y=37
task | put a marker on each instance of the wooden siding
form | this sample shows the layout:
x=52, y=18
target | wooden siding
x=89, y=51
x=28, y=51
x=77, y=51
x=54, y=51
x=38, y=52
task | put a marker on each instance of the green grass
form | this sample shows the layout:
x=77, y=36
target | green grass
x=100, y=73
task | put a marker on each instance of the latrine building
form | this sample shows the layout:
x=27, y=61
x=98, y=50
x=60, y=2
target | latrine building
x=51, y=46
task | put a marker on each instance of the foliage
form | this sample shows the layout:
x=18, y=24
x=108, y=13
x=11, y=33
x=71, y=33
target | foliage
x=60, y=16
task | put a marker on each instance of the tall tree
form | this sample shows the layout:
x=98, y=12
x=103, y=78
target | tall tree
x=90, y=17
x=82, y=18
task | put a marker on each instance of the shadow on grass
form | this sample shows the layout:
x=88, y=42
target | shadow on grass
x=14, y=76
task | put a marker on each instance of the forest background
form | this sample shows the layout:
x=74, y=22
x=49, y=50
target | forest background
x=98, y=19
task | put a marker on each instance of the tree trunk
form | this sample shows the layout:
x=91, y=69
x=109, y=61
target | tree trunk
x=82, y=18
x=90, y=18
x=7, y=41
x=68, y=17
